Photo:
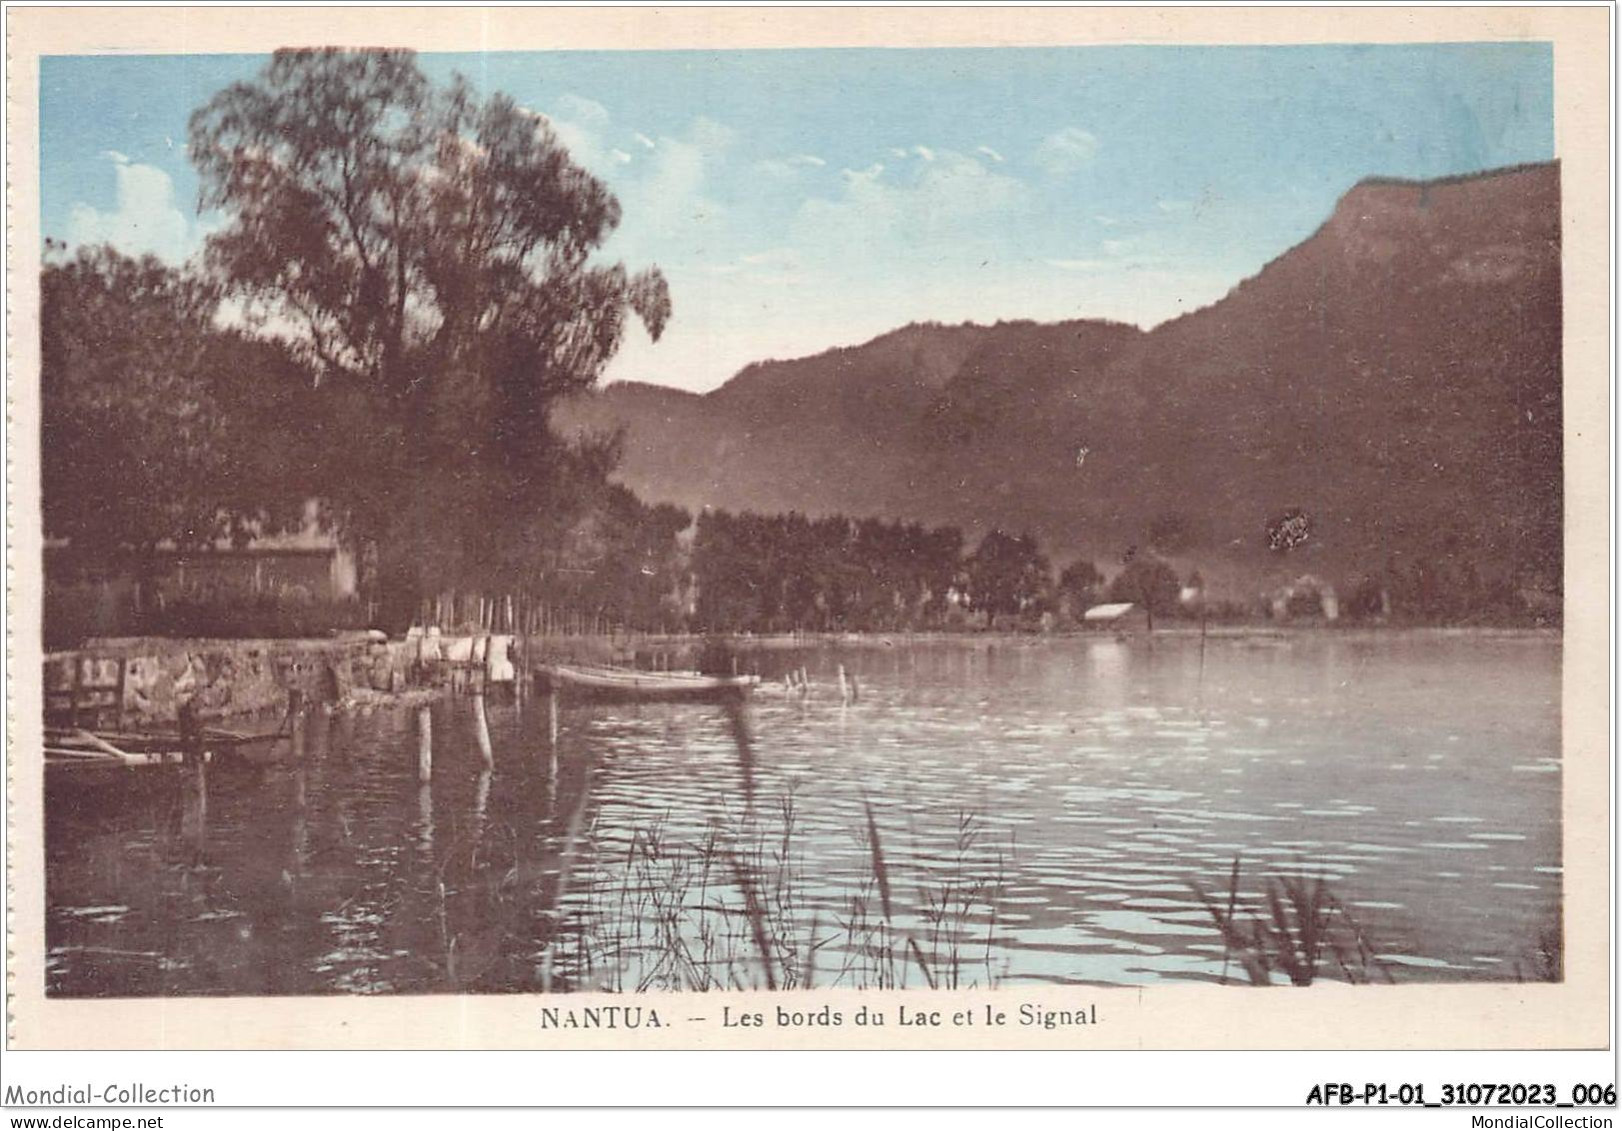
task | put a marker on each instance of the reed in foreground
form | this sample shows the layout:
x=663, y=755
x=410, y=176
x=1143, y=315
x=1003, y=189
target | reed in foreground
x=1295, y=929
x=734, y=909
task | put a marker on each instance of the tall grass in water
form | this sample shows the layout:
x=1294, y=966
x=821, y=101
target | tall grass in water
x=735, y=910
x=1296, y=928
x=950, y=903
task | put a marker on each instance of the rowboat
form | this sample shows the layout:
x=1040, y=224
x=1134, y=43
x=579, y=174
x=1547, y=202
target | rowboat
x=629, y=683
x=75, y=754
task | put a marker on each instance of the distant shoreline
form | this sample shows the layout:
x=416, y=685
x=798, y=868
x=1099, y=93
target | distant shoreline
x=775, y=640
x=1180, y=631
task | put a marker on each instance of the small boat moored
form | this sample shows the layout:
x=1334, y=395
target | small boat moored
x=628, y=683
x=79, y=755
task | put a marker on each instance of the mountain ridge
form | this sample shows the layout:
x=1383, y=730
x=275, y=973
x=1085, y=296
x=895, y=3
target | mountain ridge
x=1395, y=375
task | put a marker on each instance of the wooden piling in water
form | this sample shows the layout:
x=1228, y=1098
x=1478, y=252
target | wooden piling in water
x=295, y=724
x=552, y=716
x=481, y=732
x=194, y=818
x=195, y=756
x=425, y=745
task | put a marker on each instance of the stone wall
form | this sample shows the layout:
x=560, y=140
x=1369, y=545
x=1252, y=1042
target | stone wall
x=142, y=682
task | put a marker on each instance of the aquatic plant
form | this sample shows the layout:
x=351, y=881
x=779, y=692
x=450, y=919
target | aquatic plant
x=734, y=909
x=1293, y=929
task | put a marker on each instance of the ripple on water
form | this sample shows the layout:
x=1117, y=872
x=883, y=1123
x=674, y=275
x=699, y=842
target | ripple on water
x=1130, y=923
x=108, y=913
x=1414, y=960
x=1099, y=800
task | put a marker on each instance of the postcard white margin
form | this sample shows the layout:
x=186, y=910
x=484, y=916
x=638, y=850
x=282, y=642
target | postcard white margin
x=1571, y=1015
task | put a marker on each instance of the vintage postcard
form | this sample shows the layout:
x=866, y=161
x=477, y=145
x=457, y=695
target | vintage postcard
x=831, y=529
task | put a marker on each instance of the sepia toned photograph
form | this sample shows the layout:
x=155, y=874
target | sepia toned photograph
x=619, y=523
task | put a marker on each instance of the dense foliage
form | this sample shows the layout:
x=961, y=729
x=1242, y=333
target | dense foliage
x=1007, y=573
x=430, y=257
x=157, y=426
x=1147, y=582
x=788, y=572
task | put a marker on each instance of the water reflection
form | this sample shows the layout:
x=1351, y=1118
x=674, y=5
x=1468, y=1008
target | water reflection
x=1043, y=811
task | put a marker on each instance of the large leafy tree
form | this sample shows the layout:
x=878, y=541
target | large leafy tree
x=157, y=426
x=1007, y=573
x=129, y=437
x=1149, y=582
x=1079, y=584
x=431, y=255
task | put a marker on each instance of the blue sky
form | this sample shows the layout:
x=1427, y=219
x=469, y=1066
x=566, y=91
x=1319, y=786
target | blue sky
x=798, y=200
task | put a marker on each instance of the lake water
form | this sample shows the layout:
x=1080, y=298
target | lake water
x=1005, y=813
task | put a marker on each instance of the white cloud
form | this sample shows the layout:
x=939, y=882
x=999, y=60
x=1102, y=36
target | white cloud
x=872, y=173
x=991, y=153
x=1066, y=150
x=1133, y=254
x=950, y=206
x=669, y=213
x=1173, y=205
x=583, y=110
x=583, y=144
x=785, y=167
x=645, y=140
x=145, y=217
x=775, y=267
x=922, y=152
x=621, y=156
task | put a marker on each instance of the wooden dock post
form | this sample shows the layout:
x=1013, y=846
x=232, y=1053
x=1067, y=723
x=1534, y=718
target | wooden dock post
x=844, y=685
x=481, y=804
x=196, y=760
x=295, y=723
x=425, y=744
x=481, y=732
x=518, y=653
x=194, y=817
x=118, y=704
x=191, y=732
x=552, y=716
